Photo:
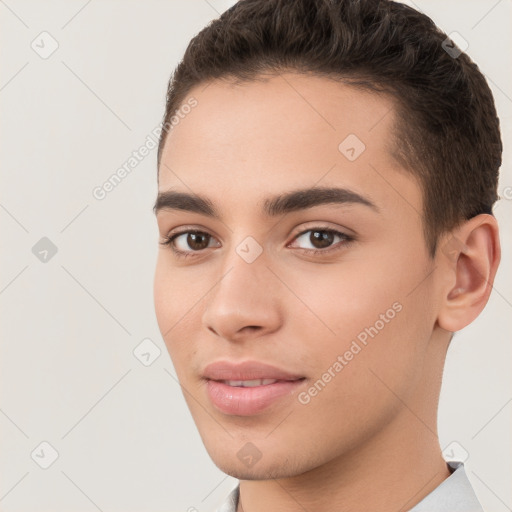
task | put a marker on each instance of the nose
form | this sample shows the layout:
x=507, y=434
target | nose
x=244, y=303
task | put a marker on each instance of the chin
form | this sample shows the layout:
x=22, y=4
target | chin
x=267, y=468
x=264, y=472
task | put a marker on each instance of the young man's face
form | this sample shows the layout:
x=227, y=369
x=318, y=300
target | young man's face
x=354, y=320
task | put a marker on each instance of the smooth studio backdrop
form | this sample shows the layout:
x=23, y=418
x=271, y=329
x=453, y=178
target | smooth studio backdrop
x=88, y=420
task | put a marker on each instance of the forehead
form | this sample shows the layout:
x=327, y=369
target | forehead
x=256, y=136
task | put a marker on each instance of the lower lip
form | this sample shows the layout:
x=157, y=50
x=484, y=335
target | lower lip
x=248, y=401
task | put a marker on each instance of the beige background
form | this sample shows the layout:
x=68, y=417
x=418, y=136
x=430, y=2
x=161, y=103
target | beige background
x=69, y=377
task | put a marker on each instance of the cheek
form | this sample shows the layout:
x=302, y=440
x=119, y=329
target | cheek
x=163, y=298
x=175, y=293
x=372, y=315
x=342, y=300
x=356, y=375
x=175, y=297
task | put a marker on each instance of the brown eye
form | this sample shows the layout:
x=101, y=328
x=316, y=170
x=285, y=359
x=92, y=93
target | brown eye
x=186, y=243
x=191, y=243
x=197, y=241
x=321, y=240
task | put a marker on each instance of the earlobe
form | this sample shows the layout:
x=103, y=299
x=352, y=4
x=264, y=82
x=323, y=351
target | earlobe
x=469, y=258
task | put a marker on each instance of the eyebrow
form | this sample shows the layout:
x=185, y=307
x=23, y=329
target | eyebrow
x=294, y=200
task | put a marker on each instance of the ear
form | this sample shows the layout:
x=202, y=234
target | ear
x=468, y=258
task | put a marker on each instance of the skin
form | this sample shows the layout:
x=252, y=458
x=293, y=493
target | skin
x=298, y=310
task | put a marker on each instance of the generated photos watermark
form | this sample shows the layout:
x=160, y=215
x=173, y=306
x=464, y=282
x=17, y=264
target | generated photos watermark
x=356, y=346
x=100, y=192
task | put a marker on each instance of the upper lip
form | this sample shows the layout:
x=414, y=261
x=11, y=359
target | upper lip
x=246, y=370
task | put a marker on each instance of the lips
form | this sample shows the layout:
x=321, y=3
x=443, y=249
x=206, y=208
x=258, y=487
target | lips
x=246, y=371
x=248, y=388
x=249, y=383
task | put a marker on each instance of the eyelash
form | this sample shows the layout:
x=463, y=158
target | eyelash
x=168, y=241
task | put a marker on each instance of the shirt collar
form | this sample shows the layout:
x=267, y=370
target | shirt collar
x=455, y=494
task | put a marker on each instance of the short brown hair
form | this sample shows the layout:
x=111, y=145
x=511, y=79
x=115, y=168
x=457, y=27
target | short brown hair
x=447, y=134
